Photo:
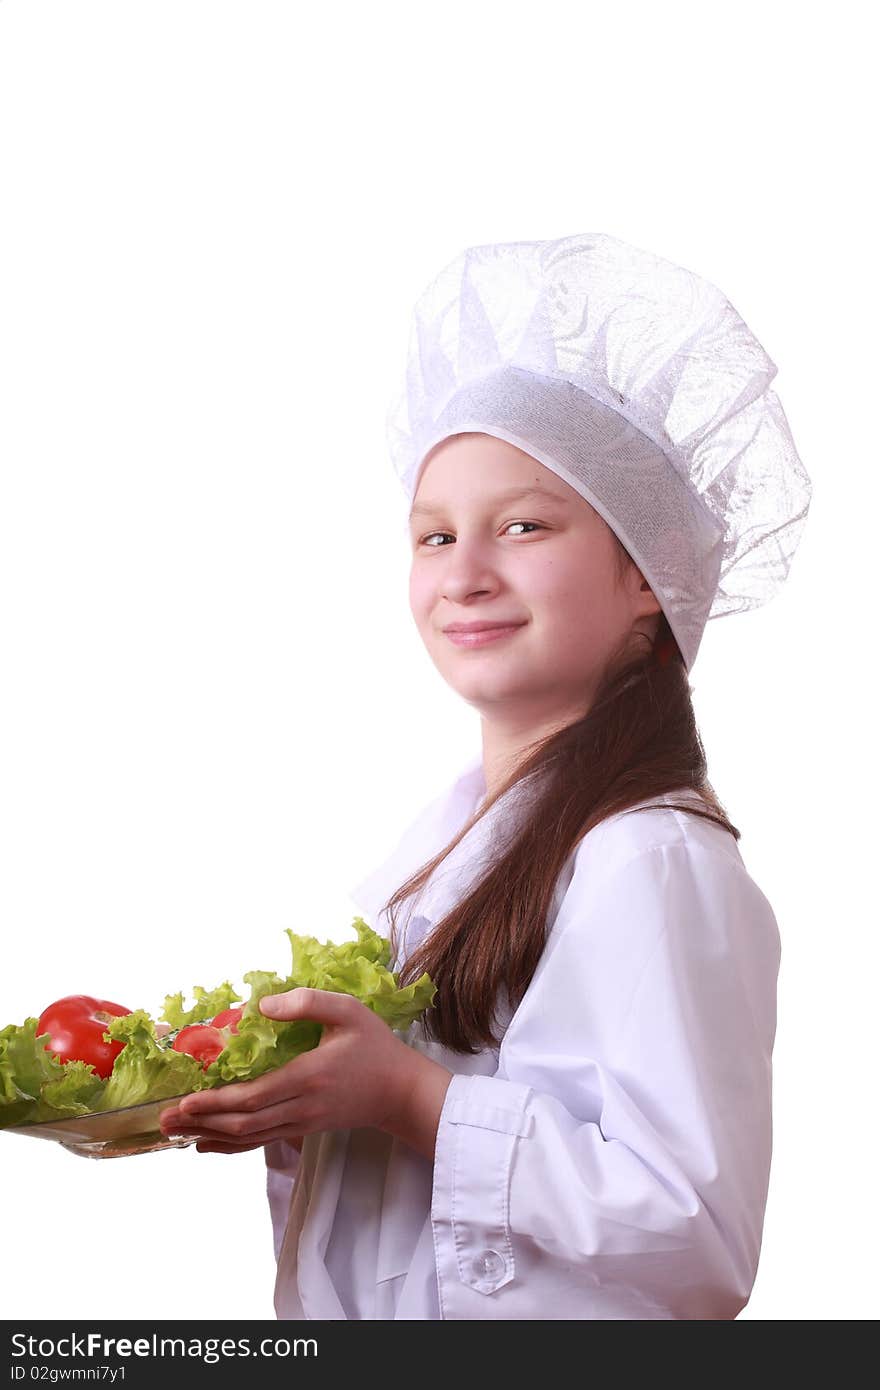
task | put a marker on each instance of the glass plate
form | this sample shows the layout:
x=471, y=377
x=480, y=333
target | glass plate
x=111, y=1133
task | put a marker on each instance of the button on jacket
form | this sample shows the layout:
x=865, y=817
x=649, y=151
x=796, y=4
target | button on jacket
x=611, y=1158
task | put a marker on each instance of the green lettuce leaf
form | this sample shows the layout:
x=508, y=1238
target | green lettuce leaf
x=360, y=968
x=25, y=1064
x=144, y=1070
x=35, y=1085
x=77, y=1092
x=208, y=1004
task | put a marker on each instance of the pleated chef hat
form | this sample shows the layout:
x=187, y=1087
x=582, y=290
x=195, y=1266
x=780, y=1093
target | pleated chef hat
x=638, y=384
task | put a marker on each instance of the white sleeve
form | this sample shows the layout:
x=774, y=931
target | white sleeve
x=617, y=1165
x=282, y=1165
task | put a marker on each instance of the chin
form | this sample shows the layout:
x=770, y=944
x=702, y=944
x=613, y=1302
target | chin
x=482, y=690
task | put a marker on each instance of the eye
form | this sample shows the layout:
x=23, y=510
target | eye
x=534, y=524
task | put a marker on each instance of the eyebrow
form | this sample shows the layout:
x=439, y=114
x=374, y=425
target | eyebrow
x=513, y=494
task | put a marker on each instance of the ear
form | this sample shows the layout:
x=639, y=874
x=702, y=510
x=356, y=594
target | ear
x=645, y=588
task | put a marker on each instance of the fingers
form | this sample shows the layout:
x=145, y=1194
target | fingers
x=213, y=1147
x=237, y=1124
x=220, y=1145
x=283, y=1083
x=320, y=1005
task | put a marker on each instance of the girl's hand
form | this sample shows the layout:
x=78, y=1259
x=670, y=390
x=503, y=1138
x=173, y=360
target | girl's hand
x=360, y=1074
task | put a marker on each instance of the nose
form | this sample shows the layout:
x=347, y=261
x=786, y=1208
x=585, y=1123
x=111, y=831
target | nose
x=468, y=571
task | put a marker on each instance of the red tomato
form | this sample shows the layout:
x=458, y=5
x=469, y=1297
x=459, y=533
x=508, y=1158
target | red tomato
x=228, y=1019
x=201, y=1041
x=76, y=1026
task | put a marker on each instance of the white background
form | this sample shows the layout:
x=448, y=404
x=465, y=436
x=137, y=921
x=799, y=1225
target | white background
x=216, y=714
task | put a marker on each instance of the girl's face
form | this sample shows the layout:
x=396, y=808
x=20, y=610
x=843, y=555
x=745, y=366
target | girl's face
x=544, y=561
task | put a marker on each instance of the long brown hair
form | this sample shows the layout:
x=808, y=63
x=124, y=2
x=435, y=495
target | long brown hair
x=638, y=739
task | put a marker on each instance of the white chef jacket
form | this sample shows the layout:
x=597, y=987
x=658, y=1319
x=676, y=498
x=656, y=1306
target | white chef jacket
x=611, y=1158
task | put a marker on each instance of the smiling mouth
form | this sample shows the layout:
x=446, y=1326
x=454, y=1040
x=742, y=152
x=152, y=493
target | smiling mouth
x=483, y=636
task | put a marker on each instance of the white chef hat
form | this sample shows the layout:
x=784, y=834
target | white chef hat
x=638, y=384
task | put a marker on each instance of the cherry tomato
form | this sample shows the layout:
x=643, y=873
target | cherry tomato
x=201, y=1041
x=228, y=1019
x=76, y=1026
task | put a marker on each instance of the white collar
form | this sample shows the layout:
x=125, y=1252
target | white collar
x=434, y=826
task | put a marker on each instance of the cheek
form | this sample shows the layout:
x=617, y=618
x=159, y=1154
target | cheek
x=558, y=590
x=571, y=600
x=420, y=595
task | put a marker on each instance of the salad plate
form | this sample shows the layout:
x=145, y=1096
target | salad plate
x=122, y=1069
x=111, y=1133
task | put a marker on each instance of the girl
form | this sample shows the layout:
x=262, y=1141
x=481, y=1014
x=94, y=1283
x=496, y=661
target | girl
x=580, y=1127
